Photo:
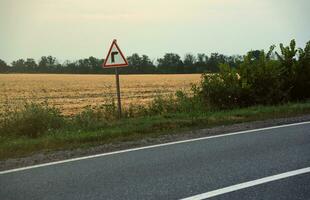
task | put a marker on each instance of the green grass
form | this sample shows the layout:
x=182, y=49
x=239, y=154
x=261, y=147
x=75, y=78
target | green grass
x=130, y=129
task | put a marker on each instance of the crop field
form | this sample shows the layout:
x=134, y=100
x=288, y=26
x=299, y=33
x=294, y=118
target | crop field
x=72, y=93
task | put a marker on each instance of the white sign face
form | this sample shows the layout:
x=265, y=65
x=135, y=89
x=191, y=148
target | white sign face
x=115, y=57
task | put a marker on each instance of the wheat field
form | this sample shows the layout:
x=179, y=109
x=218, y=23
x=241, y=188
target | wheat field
x=72, y=93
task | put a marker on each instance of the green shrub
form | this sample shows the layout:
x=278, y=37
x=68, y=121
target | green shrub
x=259, y=79
x=135, y=110
x=222, y=90
x=301, y=90
x=89, y=118
x=255, y=81
x=177, y=103
x=96, y=117
x=189, y=103
x=262, y=79
x=295, y=65
x=161, y=105
x=31, y=120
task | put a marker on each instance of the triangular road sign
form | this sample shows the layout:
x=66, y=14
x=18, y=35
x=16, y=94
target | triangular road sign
x=115, y=57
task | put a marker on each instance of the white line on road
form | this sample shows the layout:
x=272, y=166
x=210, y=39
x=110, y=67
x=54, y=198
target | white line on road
x=148, y=147
x=248, y=184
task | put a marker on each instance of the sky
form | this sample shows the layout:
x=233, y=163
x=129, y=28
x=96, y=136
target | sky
x=74, y=29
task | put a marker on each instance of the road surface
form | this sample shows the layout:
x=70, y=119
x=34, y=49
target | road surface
x=279, y=157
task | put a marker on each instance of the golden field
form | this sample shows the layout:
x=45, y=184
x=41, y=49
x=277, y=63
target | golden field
x=72, y=93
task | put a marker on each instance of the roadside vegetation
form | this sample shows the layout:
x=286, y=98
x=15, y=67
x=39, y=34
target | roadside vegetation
x=263, y=86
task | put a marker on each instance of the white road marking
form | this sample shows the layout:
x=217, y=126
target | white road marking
x=148, y=147
x=248, y=184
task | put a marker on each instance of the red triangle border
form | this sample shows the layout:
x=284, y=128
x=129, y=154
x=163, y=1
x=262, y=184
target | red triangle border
x=115, y=65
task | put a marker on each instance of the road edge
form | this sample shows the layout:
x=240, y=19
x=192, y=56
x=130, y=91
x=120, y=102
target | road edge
x=44, y=159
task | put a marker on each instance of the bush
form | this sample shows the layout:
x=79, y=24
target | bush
x=260, y=79
x=31, y=120
x=96, y=117
x=180, y=102
x=255, y=81
x=300, y=91
x=222, y=90
x=189, y=103
x=135, y=110
x=161, y=105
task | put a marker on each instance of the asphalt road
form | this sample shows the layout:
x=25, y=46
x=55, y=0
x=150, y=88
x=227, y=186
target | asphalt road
x=177, y=171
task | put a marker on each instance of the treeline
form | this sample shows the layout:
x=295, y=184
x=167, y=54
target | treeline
x=170, y=63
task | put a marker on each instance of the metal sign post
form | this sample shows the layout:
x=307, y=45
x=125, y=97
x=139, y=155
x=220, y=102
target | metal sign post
x=118, y=91
x=115, y=59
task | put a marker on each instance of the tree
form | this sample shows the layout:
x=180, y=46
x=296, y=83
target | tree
x=170, y=63
x=95, y=64
x=288, y=62
x=139, y=64
x=301, y=86
x=134, y=62
x=147, y=65
x=19, y=65
x=48, y=64
x=3, y=66
x=254, y=54
x=189, y=63
x=201, y=62
x=214, y=61
x=234, y=60
x=201, y=59
x=260, y=79
x=70, y=67
x=287, y=57
x=30, y=65
x=83, y=66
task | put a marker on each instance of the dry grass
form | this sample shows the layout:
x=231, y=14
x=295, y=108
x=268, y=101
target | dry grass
x=72, y=93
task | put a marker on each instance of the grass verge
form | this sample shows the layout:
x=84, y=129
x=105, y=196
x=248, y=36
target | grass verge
x=141, y=127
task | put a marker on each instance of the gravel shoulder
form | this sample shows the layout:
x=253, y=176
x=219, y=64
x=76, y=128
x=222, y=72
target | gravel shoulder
x=45, y=157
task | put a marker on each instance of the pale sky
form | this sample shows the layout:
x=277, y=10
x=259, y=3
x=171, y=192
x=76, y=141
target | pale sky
x=73, y=29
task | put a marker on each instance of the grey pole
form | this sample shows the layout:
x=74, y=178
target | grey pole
x=118, y=91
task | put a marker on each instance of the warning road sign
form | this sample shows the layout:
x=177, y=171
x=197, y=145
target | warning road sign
x=115, y=57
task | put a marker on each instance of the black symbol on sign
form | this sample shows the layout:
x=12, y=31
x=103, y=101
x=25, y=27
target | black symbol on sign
x=113, y=54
